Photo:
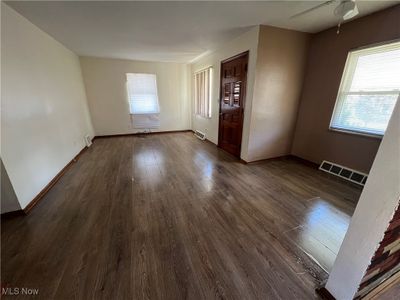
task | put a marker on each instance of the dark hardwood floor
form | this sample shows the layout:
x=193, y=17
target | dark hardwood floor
x=171, y=217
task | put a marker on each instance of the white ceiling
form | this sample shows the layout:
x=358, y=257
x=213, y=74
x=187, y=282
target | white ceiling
x=169, y=31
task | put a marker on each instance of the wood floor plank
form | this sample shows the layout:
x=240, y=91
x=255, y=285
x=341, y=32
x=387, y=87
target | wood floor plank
x=172, y=217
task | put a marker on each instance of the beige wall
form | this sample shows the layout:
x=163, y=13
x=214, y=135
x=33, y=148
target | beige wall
x=44, y=114
x=105, y=81
x=275, y=74
x=279, y=76
x=247, y=41
x=326, y=59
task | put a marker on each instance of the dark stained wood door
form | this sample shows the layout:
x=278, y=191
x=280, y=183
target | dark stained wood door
x=232, y=96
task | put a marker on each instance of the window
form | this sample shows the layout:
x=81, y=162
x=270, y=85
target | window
x=202, y=92
x=369, y=89
x=142, y=94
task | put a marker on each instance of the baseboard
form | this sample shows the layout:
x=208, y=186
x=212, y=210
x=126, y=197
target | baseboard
x=324, y=293
x=263, y=160
x=304, y=161
x=13, y=214
x=139, y=133
x=208, y=141
x=289, y=156
x=47, y=188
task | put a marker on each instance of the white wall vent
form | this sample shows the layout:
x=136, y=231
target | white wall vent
x=88, y=141
x=200, y=135
x=344, y=172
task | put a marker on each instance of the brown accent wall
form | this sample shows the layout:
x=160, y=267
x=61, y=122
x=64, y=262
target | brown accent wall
x=326, y=60
x=386, y=261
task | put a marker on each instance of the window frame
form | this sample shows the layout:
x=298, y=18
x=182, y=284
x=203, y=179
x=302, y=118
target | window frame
x=198, y=114
x=157, y=112
x=345, y=83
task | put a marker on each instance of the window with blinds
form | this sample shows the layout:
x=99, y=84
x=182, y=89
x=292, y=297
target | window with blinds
x=202, y=92
x=142, y=94
x=368, y=91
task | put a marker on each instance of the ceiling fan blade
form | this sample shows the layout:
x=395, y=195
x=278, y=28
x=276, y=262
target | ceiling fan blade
x=312, y=8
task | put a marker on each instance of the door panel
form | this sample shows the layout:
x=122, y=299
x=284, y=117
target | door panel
x=233, y=93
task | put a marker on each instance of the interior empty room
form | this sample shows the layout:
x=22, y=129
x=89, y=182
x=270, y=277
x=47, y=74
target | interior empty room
x=200, y=149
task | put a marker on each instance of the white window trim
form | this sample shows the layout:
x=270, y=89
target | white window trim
x=354, y=132
x=345, y=80
x=198, y=115
x=157, y=112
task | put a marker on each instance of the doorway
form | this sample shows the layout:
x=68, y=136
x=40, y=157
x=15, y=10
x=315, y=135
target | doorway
x=232, y=98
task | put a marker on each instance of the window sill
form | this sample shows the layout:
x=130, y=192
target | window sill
x=369, y=135
x=144, y=114
x=201, y=117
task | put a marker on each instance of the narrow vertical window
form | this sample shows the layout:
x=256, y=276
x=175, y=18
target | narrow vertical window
x=202, y=92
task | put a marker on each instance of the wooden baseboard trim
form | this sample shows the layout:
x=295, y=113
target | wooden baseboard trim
x=47, y=188
x=290, y=156
x=139, y=133
x=13, y=214
x=262, y=160
x=304, y=161
x=324, y=293
x=211, y=143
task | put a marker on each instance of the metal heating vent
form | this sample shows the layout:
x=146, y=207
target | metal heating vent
x=200, y=135
x=344, y=172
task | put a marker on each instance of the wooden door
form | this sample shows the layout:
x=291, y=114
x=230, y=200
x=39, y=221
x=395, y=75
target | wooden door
x=232, y=96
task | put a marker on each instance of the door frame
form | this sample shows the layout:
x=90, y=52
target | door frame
x=245, y=53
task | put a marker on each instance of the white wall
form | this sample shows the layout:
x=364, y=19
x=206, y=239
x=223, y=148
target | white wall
x=44, y=114
x=246, y=41
x=375, y=209
x=105, y=81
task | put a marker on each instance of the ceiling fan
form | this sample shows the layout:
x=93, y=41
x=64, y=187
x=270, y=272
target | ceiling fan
x=345, y=10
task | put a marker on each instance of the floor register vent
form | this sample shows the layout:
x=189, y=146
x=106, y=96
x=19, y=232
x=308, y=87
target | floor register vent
x=344, y=172
x=200, y=135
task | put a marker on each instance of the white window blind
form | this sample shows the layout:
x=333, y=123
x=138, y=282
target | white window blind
x=142, y=94
x=202, y=92
x=369, y=89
